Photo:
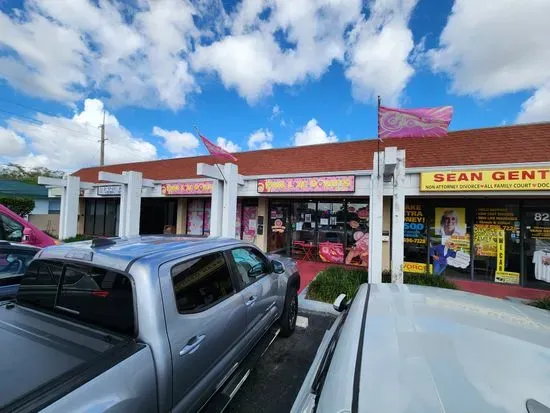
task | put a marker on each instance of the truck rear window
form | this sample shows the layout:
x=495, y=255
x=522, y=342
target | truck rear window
x=93, y=295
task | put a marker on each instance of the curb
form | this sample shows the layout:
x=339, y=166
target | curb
x=313, y=306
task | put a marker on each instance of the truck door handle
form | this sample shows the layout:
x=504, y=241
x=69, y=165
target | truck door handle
x=251, y=300
x=192, y=345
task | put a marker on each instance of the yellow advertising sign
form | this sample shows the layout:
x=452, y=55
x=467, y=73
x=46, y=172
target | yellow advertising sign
x=416, y=268
x=502, y=276
x=532, y=179
x=507, y=277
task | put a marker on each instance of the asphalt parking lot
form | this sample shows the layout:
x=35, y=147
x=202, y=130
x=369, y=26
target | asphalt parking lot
x=274, y=383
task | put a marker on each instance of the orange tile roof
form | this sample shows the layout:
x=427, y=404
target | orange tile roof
x=498, y=145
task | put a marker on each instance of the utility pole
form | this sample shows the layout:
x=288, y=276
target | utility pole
x=102, y=142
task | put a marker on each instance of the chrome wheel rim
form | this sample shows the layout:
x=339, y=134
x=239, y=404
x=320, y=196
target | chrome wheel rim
x=292, y=312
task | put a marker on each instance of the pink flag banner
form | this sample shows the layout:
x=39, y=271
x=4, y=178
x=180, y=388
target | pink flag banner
x=216, y=151
x=413, y=123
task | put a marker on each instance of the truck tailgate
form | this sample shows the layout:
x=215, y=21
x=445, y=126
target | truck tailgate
x=44, y=357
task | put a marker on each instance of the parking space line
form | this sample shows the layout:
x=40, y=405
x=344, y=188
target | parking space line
x=302, y=322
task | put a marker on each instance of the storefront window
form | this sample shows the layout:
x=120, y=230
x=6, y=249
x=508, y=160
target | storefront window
x=249, y=222
x=304, y=214
x=449, y=244
x=497, y=248
x=536, y=218
x=101, y=216
x=195, y=217
x=207, y=209
x=416, y=238
x=357, y=234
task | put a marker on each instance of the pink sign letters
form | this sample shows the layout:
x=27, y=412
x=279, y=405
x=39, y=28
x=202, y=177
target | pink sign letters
x=313, y=184
x=187, y=188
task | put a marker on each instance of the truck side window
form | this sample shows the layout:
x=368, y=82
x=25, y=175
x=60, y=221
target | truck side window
x=250, y=264
x=201, y=283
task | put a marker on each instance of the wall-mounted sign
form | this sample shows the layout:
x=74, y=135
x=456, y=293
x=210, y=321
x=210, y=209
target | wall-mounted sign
x=308, y=184
x=113, y=190
x=533, y=179
x=187, y=188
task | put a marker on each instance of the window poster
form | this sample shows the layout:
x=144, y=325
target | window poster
x=493, y=228
x=538, y=230
x=451, y=245
x=415, y=224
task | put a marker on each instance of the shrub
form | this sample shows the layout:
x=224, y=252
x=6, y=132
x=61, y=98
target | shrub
x=339, y=280
x=543, y=303
x=20, y=205
x=429, y=280
x=334, y=281
x=78, y=237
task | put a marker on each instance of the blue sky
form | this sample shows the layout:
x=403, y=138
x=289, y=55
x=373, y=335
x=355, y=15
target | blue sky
x=255, y=73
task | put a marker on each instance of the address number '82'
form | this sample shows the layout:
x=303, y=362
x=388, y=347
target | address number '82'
x=542, y=216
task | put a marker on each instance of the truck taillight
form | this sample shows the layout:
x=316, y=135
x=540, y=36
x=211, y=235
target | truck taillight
x=101, y=294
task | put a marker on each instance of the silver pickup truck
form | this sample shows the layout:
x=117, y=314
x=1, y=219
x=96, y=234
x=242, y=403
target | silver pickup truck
x=151, y=324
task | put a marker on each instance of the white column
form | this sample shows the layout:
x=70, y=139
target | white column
x=216, y=208
x=133, y=202
x=122, y=210
x=62, y=214
x=376, y=210
x=229, y=212
x=398, y=219
x=72, y=194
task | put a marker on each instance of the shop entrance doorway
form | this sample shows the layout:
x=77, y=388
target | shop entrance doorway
x=279, y=227
x=158, y=216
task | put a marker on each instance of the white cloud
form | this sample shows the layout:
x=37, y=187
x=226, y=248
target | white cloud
x=252, y=60
x=260, y=139
x=228, y=145
x=313, y=134
x=178, y=143
x=495, y=47
x=11, y=144
x=537, y=107
x=380, y=50
x=71, y=143
x=60, y=50
x=276, y=111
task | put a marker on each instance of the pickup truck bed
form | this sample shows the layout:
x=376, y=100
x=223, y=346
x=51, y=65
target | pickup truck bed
x=46, y=357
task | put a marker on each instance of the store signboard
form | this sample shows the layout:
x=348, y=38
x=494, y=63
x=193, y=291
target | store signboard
x=187, y=188
x=109, y=190
x=307, y=184
x=531, y=179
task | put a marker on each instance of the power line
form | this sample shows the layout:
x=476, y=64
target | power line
x=29, y=107
x=39, y=126
x=40, y=123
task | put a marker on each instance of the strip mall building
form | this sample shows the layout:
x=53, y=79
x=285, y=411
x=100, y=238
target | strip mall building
x=477, y=202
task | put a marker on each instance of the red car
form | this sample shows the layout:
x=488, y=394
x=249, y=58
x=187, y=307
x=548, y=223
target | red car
x=16, y=229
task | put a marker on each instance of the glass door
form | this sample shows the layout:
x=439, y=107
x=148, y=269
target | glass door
x=279, y=227
x=536, y=218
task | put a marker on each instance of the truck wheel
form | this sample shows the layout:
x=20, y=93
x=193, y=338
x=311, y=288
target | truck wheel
x=290, y=313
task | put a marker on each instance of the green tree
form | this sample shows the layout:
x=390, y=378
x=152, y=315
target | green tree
x=28, y=175
x=21, y=206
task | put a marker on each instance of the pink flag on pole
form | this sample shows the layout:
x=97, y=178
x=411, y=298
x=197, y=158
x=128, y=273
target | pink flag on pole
x=216, y=151
x=413, y=123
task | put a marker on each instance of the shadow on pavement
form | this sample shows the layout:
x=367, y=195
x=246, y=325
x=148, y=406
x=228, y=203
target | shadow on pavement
x=277, y=378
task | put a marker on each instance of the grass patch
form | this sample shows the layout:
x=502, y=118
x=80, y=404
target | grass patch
x=333, y=281
x=543, y=303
